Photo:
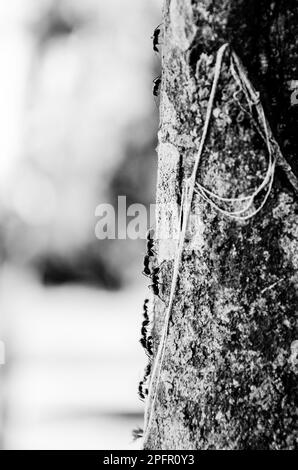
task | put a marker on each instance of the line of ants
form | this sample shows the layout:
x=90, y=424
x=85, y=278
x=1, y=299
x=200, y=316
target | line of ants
x=146, y=338
x=153, y=272
x=156, y=43
x=146, y=342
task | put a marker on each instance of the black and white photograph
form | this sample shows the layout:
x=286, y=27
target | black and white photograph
x=148, y=229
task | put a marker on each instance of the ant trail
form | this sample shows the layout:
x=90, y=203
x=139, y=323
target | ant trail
x=156, y=43
x=146, y=340
x=189, y=192
x=150, y=253
x=147, y=343
x=155, y=363
x=150, y=243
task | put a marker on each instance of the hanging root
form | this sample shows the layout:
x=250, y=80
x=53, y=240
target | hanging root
x=246, y=206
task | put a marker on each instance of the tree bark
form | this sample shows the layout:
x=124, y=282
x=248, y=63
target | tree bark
x=229, y=375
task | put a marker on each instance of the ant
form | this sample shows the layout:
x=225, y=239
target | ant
x=155, y=37
x=141, y=393
x=143, y=342
x=145, y=324
x=155, y=281
x=149, y=345
x=137, y=433
x=146, y=341
x=156, y=85
x=143, y=390
x=150, y=243
x=146, y=270
x=150, y=253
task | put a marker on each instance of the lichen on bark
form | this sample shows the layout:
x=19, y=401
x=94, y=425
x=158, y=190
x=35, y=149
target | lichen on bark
x=229, y=377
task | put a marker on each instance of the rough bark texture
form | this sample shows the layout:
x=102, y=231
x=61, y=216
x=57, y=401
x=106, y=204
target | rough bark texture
x=229, y=378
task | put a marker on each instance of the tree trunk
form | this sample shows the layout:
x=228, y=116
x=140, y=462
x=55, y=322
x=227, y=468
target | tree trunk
x=229, y=373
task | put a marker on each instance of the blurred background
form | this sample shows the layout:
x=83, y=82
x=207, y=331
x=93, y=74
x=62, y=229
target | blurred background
x=78, y=128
